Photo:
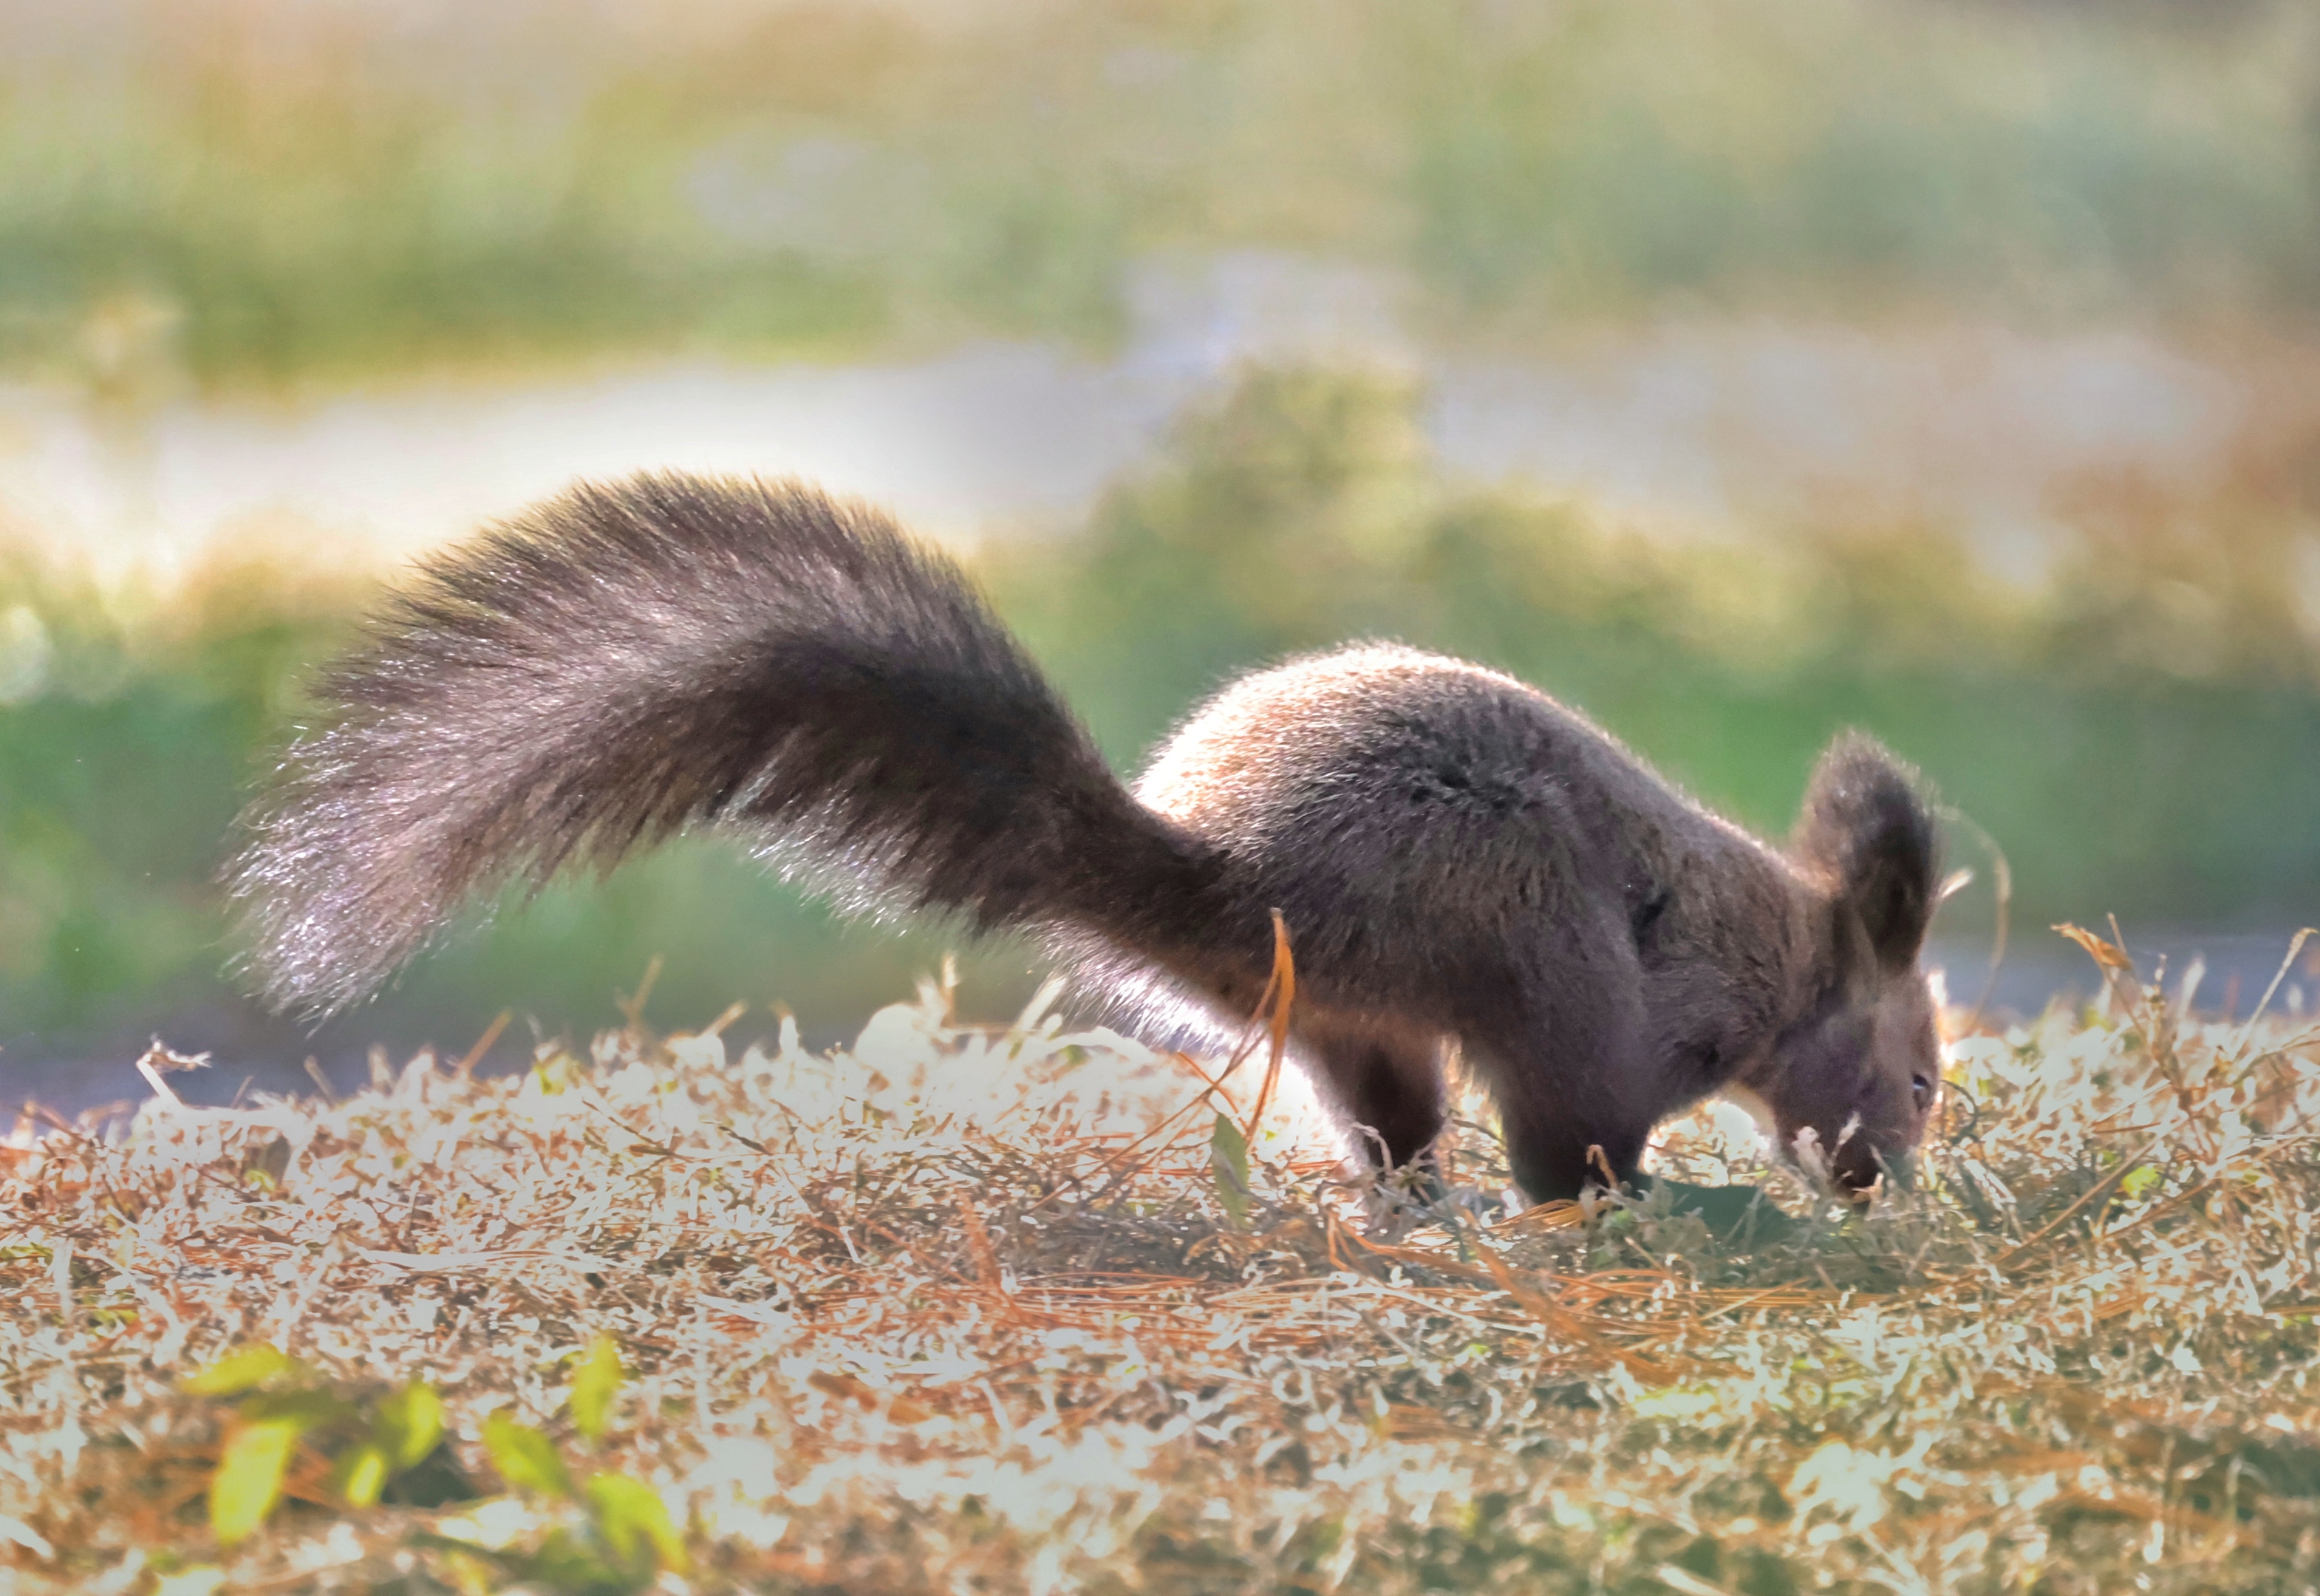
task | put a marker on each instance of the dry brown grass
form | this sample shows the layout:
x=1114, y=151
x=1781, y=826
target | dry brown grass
x=965, y=1311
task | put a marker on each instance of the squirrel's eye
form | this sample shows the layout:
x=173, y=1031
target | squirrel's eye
x=1921, y=1090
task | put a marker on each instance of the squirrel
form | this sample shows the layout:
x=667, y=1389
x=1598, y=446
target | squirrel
x=1465, y=867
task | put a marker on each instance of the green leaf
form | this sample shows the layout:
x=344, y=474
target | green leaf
x=304, y=1409
x=2137, y=1182
x=1228, y=1158
x=570, y=1565
x=407, y=1425
x=634, y=1522
x=249, y=1478
x=360, y=1475
x=245, y=1368
x=267, y=1166
x=526, y=1459
x=596, y=1385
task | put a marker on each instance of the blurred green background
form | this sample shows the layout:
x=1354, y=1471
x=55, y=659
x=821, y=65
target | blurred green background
x=1733, y=370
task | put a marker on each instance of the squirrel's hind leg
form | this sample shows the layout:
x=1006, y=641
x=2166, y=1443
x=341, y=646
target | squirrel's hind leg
x=1382, y=1081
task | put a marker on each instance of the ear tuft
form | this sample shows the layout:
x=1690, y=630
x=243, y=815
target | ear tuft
x=1868, y=825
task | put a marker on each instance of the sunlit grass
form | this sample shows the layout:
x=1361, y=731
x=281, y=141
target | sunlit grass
x=969, y=1308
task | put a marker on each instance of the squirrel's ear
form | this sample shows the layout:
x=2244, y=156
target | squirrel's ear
x=1868, y=827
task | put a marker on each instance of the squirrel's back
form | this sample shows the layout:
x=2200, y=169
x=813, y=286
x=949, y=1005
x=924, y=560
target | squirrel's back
x=1405, y=810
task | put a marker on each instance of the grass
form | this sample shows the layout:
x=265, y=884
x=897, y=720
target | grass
x=1008, y=1310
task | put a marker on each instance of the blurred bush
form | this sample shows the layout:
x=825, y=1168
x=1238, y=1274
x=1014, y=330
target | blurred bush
x=267, y=190
x=2142, y=734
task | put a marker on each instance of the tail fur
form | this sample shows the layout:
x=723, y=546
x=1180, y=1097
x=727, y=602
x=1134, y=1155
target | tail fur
x=631, y=660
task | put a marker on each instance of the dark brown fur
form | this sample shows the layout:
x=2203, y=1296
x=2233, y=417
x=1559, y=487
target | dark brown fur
x=1463, y=862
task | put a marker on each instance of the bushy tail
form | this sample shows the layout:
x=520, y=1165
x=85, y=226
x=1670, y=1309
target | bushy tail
x=631, y=660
